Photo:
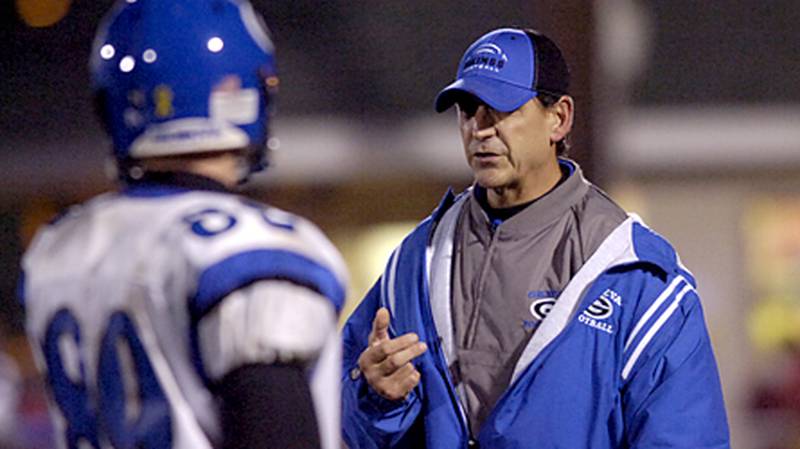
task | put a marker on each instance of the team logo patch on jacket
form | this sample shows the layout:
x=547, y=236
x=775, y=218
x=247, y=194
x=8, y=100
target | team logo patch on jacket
x=601, y=309
x=541, y=307
x=543, y=302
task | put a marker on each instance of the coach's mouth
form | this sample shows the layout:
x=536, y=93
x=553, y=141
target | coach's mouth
x=486, y=157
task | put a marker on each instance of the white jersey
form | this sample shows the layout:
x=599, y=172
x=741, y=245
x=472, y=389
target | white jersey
x=137, y=302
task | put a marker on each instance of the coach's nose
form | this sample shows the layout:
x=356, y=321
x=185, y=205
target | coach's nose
x=483, y=123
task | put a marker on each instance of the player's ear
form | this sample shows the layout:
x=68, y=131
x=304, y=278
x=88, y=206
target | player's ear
x=563, y=112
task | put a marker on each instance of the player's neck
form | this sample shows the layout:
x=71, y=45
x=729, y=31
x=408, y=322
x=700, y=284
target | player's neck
x=225, y=167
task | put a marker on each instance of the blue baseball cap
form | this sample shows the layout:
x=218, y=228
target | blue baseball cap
x=507, y=67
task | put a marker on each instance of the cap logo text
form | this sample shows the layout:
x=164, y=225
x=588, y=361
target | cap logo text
x=486, y=57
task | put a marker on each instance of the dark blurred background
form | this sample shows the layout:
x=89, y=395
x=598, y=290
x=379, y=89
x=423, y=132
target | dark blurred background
x=688, y=113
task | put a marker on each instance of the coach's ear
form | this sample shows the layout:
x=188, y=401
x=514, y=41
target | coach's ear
x=563, y=113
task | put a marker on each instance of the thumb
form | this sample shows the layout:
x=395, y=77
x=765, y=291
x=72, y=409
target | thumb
x=380, y=326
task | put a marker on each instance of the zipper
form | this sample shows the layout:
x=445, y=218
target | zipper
x=440, y=361
x=472, y=327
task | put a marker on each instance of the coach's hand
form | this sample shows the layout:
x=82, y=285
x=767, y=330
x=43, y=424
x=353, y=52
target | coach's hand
x=386, y=363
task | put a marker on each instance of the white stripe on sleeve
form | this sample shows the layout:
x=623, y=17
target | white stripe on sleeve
x=653, y=330
x=392, y=275
x=652, y=309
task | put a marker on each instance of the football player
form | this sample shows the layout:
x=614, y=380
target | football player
x=174, y=313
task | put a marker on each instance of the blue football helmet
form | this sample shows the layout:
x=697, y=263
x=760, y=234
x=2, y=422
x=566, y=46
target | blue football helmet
x=174, y=77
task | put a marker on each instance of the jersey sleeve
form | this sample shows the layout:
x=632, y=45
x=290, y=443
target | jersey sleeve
x=266, y=322
x=264, y=286
x=234, y=245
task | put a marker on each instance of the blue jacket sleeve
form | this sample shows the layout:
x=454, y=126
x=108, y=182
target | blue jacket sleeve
x=368, y=420
x=673, y=399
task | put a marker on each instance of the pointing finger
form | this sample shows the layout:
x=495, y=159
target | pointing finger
x=380, y=326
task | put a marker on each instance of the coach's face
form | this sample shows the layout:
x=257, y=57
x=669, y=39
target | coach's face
x=511, y=153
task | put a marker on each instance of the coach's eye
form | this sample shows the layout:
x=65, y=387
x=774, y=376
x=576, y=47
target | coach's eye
x=468, y=105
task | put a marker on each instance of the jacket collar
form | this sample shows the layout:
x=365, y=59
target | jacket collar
x=647, y=246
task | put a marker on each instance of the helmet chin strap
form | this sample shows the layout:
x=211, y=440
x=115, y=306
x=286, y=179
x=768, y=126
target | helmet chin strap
x=123, y=170
x=244, y=169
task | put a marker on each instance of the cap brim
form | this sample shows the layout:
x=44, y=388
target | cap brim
x=501, y=96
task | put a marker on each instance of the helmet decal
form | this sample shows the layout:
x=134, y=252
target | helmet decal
x=162, y=98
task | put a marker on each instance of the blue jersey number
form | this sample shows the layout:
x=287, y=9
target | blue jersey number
x=71, y=396
x=150, y=429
